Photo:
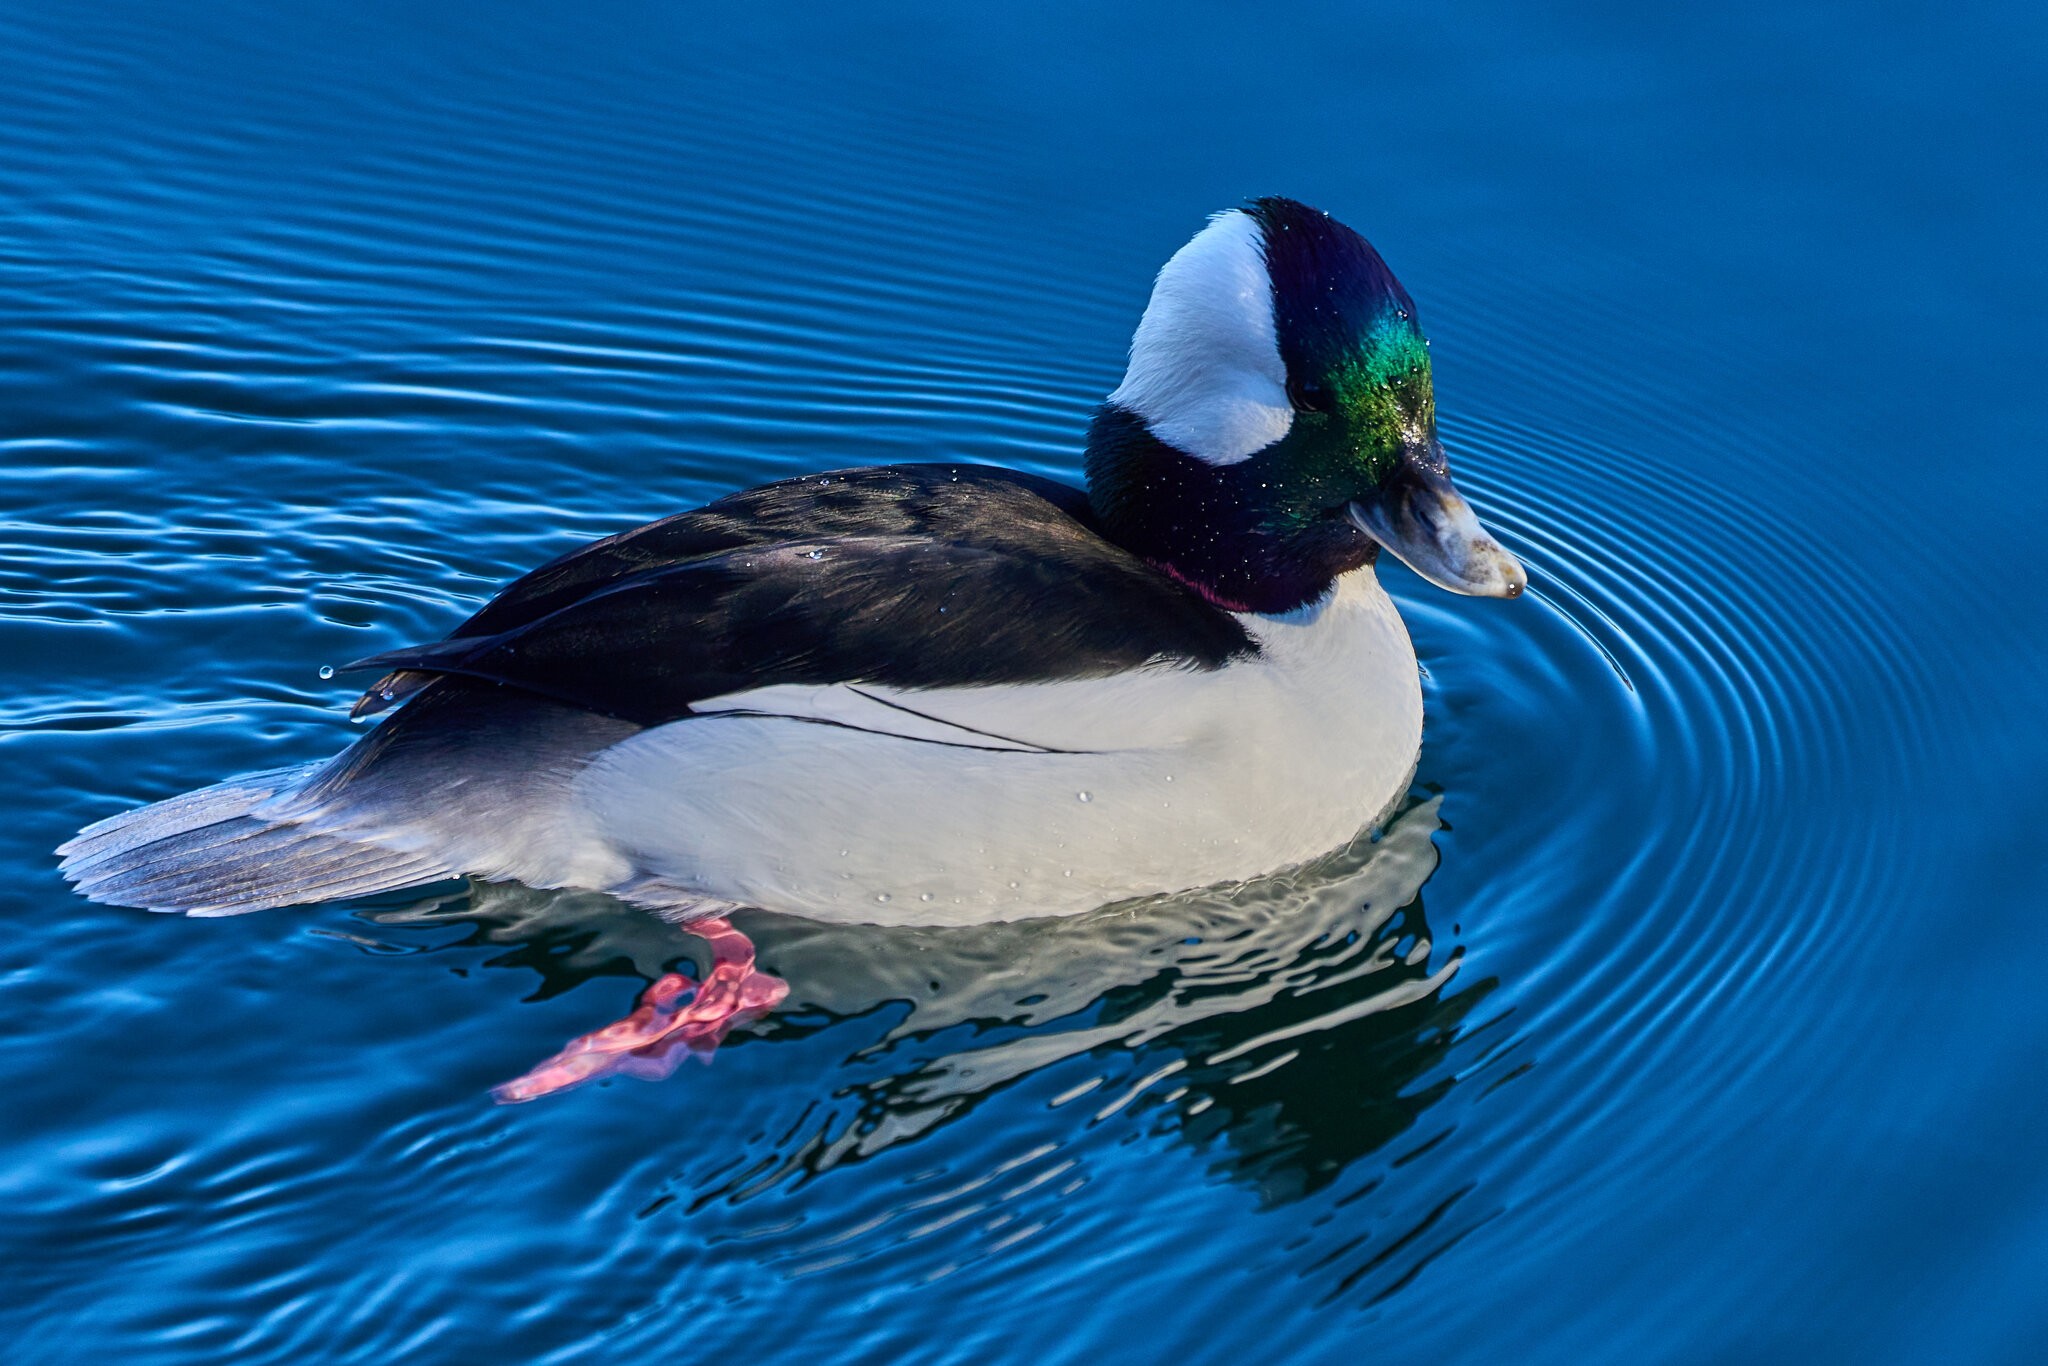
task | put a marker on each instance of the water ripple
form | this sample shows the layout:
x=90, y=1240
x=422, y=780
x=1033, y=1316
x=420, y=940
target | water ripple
x=294, y=379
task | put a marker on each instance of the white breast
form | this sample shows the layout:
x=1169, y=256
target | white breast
x=967, y=805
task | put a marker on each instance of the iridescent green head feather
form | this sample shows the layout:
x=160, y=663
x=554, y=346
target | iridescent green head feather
x=1279, y=392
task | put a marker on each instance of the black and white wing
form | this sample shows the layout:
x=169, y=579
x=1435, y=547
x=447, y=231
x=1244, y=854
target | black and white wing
x=908, y=577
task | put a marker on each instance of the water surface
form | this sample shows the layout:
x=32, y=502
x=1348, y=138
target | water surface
x=1687, y=1012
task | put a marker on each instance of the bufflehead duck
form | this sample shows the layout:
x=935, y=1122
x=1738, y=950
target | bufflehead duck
x=921, y=694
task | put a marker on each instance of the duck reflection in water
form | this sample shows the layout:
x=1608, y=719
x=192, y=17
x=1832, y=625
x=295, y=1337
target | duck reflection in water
x=1290, y=1017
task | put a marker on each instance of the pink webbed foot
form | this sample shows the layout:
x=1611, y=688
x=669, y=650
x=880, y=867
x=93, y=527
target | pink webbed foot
x=666, y=1027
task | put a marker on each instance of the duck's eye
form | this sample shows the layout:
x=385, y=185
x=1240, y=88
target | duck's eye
x=1308, y=396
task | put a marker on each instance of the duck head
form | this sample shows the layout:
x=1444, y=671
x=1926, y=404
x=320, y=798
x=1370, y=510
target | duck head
x=1277, y=425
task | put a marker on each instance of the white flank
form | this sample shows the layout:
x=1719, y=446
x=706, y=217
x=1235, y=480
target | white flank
x=1205, y=371
x=1012, y=801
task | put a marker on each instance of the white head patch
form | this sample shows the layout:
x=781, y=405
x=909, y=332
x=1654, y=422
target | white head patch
x=1205, y=372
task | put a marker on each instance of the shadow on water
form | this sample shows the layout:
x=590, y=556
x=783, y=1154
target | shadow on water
x=1288, y=1026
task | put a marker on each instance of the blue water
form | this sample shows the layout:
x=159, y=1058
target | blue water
x=1691, y=1011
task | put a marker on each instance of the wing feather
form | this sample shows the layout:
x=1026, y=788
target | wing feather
x=910, y=577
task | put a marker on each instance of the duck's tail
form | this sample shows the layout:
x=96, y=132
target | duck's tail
x=216, y=852
x=466, y=778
